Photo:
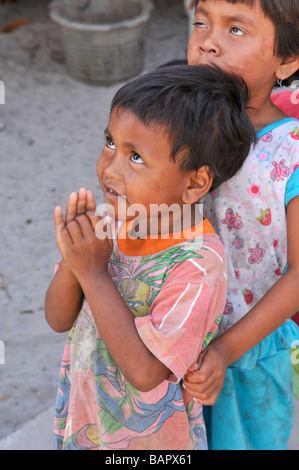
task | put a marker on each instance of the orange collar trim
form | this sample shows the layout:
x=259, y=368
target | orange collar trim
x=149, y=246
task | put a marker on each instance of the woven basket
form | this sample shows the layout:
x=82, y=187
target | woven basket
x=105, y=43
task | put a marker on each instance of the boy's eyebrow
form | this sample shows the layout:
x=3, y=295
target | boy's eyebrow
x=230, y=18
x=107, y=133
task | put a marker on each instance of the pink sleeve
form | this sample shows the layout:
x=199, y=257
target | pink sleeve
x=56, y=267
x=287, y=101
x=184, y=311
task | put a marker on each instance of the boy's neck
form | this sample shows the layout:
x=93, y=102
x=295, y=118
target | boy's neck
x=263, y=112
x=169, y=223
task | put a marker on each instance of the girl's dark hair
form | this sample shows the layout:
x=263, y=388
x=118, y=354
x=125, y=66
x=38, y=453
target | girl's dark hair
x=202, y=108
x=285, y=16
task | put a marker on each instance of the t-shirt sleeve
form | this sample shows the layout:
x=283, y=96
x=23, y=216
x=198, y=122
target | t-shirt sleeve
x=292, y=187
x=184, y=312
x=57, y=267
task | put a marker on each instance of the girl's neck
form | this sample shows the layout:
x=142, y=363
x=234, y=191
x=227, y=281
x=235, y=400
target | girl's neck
x=263, y=112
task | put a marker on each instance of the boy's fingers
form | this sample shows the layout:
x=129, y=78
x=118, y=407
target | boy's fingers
x=82, y=201
x=71, y=208
x=58, y=218
x=85, y=225
x=90, y=204
x=74, y=230
x=62, y=234
x=94, y=219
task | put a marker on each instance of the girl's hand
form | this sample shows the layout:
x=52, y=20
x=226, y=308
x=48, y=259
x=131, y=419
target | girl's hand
x=205, y=383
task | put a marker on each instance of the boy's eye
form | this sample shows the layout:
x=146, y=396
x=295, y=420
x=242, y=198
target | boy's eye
x=136, y=158
x=237, y=31
x=110, y=144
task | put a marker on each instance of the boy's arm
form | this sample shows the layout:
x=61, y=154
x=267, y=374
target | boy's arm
x=88, y=258
x=64, y=296
x=279, y=304
x=148, y=349
x=63, y=299
x=116, y=325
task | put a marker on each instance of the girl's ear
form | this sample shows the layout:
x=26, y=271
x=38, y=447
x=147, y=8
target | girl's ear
x=287, y=67
x=198, y=185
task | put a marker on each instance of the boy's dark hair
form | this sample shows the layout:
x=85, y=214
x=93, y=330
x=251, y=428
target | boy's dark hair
x=285, y=16
x=204, y=111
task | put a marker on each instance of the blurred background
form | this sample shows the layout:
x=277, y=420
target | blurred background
x=58, y=88
x=51, y=134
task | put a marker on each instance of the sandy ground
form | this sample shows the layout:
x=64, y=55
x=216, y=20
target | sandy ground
x=51, y=133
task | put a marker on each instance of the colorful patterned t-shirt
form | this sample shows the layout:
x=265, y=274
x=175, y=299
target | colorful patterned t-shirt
x=176, y=289
x=248, y=213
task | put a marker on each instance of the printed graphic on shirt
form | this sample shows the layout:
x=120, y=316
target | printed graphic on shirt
x=96, y=407
x=253, y=230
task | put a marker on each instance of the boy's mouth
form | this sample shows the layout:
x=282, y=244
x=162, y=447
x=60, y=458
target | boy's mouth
x=110, y=193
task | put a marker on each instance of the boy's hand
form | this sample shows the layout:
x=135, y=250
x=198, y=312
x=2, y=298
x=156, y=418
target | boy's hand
x=79, y=246
x=205, y=383
x=78, y=203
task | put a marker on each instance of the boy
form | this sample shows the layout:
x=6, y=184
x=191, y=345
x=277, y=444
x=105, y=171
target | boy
x=150, y=303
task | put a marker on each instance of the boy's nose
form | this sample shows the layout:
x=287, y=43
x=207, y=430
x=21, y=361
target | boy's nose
x=110, y=167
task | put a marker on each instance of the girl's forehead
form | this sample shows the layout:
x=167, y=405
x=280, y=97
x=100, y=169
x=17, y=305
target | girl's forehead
x=249, y=3
x=254, y=7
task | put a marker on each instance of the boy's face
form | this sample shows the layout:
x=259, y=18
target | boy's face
x=135, y=166
x=239, y=39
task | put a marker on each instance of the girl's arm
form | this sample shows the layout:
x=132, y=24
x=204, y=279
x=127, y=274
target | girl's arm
x=279, y=304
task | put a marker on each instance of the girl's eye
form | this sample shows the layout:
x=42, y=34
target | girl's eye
x=136, y=158
x=237, y=31
x=199, y=24
x=110, y=143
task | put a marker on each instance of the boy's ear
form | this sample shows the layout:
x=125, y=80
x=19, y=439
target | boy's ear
x=287, y=67
x=198, y=185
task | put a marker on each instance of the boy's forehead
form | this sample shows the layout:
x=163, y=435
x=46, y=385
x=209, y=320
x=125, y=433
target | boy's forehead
x=126, y=121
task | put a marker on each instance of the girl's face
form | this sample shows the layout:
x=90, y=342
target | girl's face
x=135, y=167
x=239, y=39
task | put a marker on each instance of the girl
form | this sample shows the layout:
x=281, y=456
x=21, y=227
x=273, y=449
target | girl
x=256, y=217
